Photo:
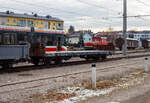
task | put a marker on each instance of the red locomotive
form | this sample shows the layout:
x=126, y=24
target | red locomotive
x=99, y=43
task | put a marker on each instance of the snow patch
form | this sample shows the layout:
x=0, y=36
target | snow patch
x=83, y=94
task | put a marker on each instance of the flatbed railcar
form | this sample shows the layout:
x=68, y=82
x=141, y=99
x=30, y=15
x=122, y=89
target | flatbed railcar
x=40, y=54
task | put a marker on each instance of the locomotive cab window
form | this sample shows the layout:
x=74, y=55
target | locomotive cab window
x=22, y=38
x=6, y=39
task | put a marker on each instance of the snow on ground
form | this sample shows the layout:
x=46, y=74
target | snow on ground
x=83, y=94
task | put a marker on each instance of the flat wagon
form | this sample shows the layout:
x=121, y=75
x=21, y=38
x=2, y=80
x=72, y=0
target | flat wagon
x=40, y=53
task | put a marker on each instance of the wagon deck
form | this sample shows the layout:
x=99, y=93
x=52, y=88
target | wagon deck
x=79, y=53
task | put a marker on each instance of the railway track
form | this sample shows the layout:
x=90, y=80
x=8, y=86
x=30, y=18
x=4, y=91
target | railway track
x=80, y=62
x=18, y=84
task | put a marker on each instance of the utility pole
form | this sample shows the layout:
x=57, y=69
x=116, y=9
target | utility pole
x=125, y=27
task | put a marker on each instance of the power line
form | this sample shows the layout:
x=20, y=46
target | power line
x=70, y=12
x=143, y=3
x=142, y=18
x=66, y=11
x=94, y=5
x=20, y=9
x=35, y=5
x=139, y=16
x=134, y=16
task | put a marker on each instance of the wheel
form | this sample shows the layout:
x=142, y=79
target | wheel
x=35, y=62
x=96, y=58
x=87, y=58
x=103, y=57
x=47, y=61
x=58, y=61
x=7, y=66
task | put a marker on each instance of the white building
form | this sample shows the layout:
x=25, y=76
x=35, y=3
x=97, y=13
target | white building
x=143, y=35
x=87, y=37
x=75, y=38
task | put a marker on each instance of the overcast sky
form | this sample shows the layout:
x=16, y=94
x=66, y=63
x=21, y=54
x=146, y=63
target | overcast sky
x=96, y=15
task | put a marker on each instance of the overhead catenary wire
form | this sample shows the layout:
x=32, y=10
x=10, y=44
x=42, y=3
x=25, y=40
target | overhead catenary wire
x=65, y=11
x=148, y=5
x=104, y=19
x=94, y=5
x=41, y=6
x=15, y=9
x=30, y=4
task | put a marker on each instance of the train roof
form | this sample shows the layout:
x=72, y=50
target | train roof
x=131, y=39
x=25, y=15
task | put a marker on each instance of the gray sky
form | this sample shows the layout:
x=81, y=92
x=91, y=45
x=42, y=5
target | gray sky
x=97, y=15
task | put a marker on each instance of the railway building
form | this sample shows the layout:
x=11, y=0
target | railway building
x=15, y=28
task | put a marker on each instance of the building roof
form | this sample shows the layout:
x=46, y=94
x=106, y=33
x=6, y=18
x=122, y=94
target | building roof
x=25, y=15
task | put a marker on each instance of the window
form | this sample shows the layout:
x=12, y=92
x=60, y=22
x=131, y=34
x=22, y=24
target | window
x=41, y=23
x=45, y=24
x=21, y=23
x=8, y=20
x=9, y=38
x=30, y=23
x=37, y=22
x=22, y=38
x=59, y=25
x=6, y=39
x=54, y=24
x=3, y=20
x=14, y=21
x=49, y=25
